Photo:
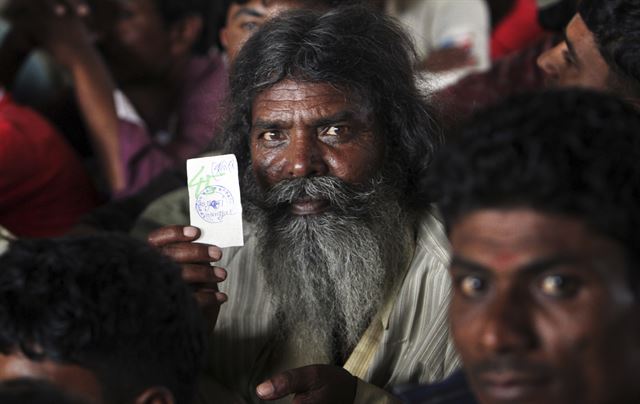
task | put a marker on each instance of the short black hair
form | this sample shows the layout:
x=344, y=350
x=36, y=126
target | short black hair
x=32, y=391
x=615, y=25
x=575, y=153
x=173, y=11
x=357, y=50
x=221, y=9
x=107, y=303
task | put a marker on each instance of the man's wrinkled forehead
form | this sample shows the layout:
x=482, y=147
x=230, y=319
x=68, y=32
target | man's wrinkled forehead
x=359, y=104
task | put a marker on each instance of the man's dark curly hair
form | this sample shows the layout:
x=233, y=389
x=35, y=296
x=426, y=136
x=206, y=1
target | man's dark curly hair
x=107, y=303
x=615, y=25
x=363, y=53
x=574, y=153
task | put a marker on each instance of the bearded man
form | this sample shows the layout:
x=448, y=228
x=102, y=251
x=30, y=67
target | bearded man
x=342, y=281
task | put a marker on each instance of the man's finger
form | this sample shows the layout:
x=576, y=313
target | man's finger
x=203, y=274
x=292, y=381
x=188, y=253
x=172, y=234
x=207, y=299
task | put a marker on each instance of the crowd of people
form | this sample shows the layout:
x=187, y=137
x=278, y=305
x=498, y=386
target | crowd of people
x=438, y=201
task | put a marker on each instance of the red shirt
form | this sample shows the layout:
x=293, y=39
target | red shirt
x=44, y=188
x=517, y=31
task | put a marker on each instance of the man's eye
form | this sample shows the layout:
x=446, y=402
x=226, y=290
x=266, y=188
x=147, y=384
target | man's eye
x=334, y=130
x=568, y=59
x=559, y=286
x=471, y=286
x=249, y=26
x=270, y=136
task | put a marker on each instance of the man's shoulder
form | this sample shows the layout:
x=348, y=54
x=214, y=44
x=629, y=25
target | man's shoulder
x=427, y=273
x=431, y=239
x=207, y=72
x=169, y=209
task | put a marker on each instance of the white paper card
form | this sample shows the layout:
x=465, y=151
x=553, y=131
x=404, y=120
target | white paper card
x=214, y=200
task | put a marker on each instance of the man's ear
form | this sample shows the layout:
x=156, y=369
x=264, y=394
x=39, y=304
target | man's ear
x=223, y=34
x=156, y=395
x=185, y=33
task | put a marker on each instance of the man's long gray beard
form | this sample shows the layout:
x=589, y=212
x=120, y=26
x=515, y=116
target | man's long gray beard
x=330, y=273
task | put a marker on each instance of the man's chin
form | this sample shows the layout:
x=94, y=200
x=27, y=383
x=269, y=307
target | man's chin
x=514, y=387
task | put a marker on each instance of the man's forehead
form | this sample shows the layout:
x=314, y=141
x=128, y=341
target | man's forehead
x=112, y=8
x=581, y=41
x=520, y=231
x=289, y=96
x=296, y=90
x=523, y=238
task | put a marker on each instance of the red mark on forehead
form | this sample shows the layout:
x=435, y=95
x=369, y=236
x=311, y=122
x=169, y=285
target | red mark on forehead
x=505, y=259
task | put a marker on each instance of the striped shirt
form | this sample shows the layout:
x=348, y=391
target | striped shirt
x=406, y=342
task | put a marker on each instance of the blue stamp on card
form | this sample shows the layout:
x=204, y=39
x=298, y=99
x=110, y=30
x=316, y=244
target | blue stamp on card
x=214, y=203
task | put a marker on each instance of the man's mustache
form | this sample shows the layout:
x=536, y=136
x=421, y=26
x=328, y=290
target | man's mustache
x=340, y=195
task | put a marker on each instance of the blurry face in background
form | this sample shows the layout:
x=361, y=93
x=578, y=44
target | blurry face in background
x=576, y=61
x=134, y=39
x=244, y=19
x=542, y=310
x=72, y=379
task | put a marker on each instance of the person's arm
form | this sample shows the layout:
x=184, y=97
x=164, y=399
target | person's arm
x=94, y=91
x=69, y=42
x=57, y=26
x=121, y=215
x=459, y=40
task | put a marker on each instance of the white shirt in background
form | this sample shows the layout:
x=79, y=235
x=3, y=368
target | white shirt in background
x=440, y=24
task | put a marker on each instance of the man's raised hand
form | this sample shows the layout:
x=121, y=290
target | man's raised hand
x=176, y=242
x=313, y=384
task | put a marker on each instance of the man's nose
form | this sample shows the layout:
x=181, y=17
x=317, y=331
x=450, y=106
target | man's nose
x=305, y=157
x=548, y=62
x=508, y=326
